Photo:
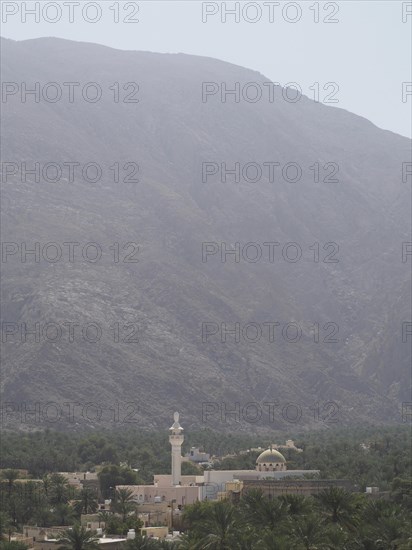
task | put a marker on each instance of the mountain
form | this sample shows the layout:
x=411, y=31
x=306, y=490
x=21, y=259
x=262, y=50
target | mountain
x=340, y=295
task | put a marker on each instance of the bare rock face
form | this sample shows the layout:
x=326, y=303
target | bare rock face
x=134, y=312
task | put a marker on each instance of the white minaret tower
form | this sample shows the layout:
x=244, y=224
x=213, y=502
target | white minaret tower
x=176, y=439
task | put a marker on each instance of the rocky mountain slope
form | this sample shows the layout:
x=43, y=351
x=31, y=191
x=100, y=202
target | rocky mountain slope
x=340, y=305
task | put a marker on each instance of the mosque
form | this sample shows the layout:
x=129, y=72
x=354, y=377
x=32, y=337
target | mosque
x=212, y=484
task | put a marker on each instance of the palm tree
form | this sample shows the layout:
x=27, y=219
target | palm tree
x=59, y=489
x=308, y=532
x=124, y=503
x=6, y=526
x=339, y=506
x=30, y=498
x=251, y=504
x=268, y=540
x=10, y=476
x=376, y=510
x=188, y=540
x=46, y=484
x=145, y=543
x=194, y=512
x=390, y=533
x=43, y=516
x=168, y=545
x=260, y=511
x=103, y=517
x=337, y=537
x=142, y=543
x=220, y=529
x=15, y=507
x=87, y=503
x=297, y=504
x=13, y=545
x=78, y=538
x=64, y=513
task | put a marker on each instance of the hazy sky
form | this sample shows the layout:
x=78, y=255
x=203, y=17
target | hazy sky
x=366, y=53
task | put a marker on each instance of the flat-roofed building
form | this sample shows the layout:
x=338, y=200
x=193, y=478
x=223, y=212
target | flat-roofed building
x=277, y=487
x=180, y=494
x=105, y=543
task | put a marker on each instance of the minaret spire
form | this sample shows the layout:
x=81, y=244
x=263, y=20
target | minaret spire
x=176, y=439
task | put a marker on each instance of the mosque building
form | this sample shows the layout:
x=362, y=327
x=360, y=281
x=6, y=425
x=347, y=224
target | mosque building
x=212, y=484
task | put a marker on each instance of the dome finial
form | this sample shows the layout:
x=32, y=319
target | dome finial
x=176, y=426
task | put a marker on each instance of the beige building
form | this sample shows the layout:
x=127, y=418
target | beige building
x=152, y=494
x=155, y=532
x=104, y=543
x=153, y=515
x=166, y=479
x=45, y=538
x=270, y=464
x=177, y=490
x=277, y=487
x=77, y=478
x=42, y=533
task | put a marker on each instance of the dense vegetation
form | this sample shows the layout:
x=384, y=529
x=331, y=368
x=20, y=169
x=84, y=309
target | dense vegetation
x=337, y=454
x=333, y=519
x=52, y=501
x=50, y=451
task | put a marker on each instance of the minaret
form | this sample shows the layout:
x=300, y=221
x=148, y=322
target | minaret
x=176, y=439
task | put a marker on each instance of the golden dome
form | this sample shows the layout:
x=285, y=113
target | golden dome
x=270, y=456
